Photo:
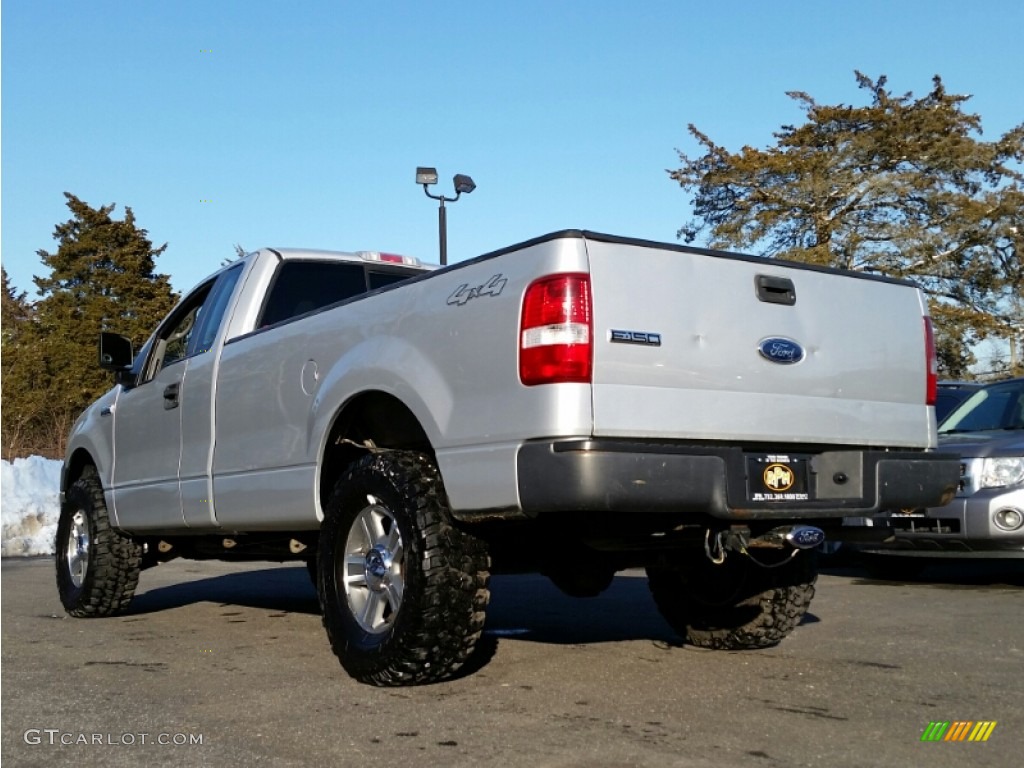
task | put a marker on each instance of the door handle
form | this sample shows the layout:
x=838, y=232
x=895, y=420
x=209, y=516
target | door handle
x=171, y=395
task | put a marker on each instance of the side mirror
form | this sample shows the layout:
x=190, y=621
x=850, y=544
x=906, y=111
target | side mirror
x=115, y=352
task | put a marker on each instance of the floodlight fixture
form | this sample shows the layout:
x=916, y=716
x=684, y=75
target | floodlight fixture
x=463, y=185
x=426, y=176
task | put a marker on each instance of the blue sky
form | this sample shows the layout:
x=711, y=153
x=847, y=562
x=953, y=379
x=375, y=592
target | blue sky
x=301, y=124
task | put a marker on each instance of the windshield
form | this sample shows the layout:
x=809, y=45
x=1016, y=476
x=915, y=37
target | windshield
x=997, y=406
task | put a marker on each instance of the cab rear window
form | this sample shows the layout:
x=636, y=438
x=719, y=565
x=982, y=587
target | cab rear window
x=306, y=286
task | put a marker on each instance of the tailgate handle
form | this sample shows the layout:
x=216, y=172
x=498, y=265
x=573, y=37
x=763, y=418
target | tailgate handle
x=776, y=290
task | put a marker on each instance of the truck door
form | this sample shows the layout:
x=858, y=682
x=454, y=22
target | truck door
x=147, y=424
x=198, y=403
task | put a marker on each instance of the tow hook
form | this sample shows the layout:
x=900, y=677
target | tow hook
x=738, y=539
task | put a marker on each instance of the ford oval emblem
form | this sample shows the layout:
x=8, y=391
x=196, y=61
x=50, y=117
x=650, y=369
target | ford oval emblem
x=805, y=536
x=780, y=350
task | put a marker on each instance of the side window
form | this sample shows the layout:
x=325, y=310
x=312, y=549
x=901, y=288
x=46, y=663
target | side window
x=211, y=314
x=193, y=326
x=172, y=345
x=303, y=286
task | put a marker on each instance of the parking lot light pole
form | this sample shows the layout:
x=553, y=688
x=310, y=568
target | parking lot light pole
x=463, y=183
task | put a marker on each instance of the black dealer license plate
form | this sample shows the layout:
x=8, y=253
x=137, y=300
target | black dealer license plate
x=777, y=477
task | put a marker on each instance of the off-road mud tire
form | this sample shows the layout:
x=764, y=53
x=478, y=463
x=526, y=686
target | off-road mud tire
x=443, y=570
x=105, y=581
x=737, y=605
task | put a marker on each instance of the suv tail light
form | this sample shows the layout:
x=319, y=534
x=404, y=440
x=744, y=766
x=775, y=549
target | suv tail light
x=556, y=332
x=931, y=364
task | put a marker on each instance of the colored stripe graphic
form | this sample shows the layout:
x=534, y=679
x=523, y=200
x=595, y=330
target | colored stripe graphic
x=958, y=730
x=982, y=731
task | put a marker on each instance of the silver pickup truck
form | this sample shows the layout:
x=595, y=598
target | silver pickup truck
x=574, y=405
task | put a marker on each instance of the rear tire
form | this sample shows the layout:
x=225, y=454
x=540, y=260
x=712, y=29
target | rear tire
x=97, y=566
x=402, y=590
x=738, y=605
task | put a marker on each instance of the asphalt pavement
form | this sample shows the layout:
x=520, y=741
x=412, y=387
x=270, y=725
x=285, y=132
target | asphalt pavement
x=228, y=665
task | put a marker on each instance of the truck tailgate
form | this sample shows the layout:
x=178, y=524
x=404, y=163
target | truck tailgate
x=678, y=351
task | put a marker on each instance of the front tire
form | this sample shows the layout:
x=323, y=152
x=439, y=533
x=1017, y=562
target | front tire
x=738, y=605
x=97, y=567
x=402, y=590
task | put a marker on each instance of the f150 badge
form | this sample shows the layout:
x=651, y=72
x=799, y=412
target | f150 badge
x=635, y=337
x=781, y=350
x=464, y=292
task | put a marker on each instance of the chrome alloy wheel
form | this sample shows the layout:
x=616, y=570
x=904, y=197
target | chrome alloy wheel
x=373, y=575
x=76, y=551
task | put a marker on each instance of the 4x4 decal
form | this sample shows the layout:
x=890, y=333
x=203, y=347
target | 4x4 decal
x=464, y=293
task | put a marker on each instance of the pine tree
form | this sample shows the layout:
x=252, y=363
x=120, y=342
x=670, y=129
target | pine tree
x=902, y=186
x=101, y=278
x=19, y=412
x=15, y=310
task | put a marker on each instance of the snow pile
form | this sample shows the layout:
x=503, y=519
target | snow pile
x=29, y=505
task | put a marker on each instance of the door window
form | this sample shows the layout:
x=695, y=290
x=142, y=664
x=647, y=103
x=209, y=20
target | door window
x=192, y=328
x=211, y=313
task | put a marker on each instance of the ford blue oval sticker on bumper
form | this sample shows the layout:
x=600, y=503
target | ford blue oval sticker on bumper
x=780, y=350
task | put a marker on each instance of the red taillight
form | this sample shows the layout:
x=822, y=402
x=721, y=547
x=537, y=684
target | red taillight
x=556, y=332
x=931, y=363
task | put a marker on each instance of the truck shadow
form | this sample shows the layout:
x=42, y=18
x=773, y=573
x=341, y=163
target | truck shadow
x=531, y=608
x=274, y=589
x=526, y=607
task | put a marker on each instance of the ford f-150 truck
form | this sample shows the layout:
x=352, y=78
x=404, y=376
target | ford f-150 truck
x=574, y=405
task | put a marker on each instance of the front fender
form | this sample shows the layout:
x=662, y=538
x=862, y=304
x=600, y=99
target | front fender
x=92, y=442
